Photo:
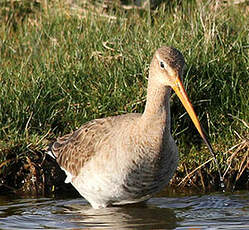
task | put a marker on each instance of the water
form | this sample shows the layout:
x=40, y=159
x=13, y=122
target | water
x=213, y=211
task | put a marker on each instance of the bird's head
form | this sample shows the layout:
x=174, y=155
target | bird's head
x=167, y=68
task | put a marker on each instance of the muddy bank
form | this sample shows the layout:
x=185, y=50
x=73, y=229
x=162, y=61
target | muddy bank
x=39, y=174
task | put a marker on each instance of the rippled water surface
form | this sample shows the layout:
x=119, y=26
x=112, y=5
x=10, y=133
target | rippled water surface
x=213, y=211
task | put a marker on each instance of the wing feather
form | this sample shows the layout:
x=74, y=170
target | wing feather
x=73, y=150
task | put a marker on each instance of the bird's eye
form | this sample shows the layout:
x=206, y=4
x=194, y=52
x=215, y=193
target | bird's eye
x=162, y=65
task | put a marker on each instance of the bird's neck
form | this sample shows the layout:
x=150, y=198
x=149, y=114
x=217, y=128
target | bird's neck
x=158, y=103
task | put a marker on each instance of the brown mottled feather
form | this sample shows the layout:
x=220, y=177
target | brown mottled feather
x=73, y=150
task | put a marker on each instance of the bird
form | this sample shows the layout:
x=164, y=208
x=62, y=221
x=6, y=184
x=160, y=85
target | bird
x=128, y=158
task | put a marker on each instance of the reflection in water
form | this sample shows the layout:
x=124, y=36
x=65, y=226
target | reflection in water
x=47, y=213
x=133, y=216
x=217, y=211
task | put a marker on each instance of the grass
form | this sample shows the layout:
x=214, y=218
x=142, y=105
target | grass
x=64, y=64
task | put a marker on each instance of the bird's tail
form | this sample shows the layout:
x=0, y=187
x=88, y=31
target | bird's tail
x=50, y=151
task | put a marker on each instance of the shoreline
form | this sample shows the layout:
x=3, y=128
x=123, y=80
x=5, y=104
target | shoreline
x=43, y=177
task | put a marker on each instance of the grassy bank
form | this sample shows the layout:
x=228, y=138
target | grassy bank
x=64, y=64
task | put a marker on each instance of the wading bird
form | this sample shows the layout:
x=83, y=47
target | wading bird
x=128, y=158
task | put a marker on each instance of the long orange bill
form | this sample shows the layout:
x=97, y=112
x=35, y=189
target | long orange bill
x=181, y=93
